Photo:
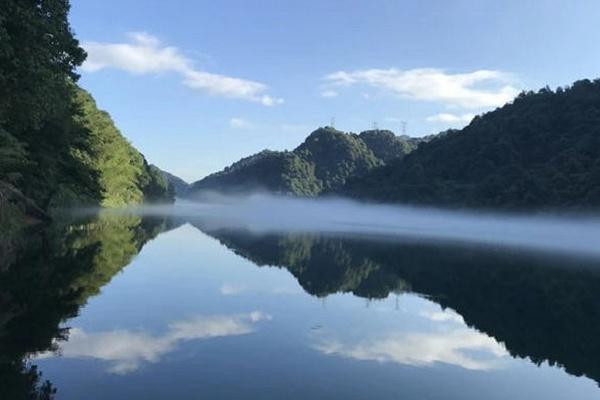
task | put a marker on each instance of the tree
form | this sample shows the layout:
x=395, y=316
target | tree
x=38, y=55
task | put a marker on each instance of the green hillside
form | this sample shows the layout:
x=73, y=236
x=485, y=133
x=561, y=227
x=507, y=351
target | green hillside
x=177, y=186
x=321, y=164
x=123, y=173
x=57, y=148
x=540, y=151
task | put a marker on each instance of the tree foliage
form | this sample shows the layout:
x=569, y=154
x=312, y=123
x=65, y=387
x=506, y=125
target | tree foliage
x=321, y=164
x=38, y=54
x=56, y=147
x=13, y=157
x=124, y=175
x=540, y=151
x=176, y=185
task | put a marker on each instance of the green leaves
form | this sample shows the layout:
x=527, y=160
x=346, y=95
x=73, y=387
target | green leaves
x=321, y=164
x=541, y=151
x=13, y=157
x=61, y=150
x=38, y=53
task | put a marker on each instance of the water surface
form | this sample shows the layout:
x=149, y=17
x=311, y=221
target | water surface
x=131, y=307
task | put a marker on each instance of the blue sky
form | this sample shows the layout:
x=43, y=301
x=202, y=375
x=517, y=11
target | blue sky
x=196, y=85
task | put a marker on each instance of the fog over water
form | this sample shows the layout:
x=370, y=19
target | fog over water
x=263, y=213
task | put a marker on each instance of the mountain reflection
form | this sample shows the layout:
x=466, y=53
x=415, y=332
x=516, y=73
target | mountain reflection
x=541, y=309
x=545, y=310
x=46, y=276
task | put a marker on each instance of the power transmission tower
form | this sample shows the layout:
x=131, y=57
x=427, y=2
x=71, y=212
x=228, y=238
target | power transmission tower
x=375, y=125
x=332, y=122
x=403, y=124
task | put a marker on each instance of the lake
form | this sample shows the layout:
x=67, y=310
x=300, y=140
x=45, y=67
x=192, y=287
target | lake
x=175, y=307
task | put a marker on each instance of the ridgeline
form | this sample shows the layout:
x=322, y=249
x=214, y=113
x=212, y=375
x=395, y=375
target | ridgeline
x=539, y=152
x=321, y=164
x=57, y=149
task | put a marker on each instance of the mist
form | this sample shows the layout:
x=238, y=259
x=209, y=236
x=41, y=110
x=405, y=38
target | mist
x=262, y=213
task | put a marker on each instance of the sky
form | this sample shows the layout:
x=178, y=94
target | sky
x=196, y=85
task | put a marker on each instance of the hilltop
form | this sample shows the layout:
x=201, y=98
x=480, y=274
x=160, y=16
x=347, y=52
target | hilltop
x=321, y=164
x=540, y=151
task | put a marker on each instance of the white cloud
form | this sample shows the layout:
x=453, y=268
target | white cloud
x=456, y=347
x=329, y=93
x=448, y=118
x=430, y=84
x=442, y=316
x=126, y=351
x=231, y=290
x=145, y=54
x=240, y=123
x=237, y=289
x=270, y=101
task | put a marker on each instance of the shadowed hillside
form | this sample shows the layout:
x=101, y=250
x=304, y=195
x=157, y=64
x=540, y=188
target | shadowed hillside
x=540, y=151
x=321, y=164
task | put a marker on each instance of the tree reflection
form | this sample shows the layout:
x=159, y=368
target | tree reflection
x=546, y=310
x=50, y=276
x=542, y=309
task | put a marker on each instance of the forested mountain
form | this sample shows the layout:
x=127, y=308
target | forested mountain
x=540, y=151
x=336, y=156
x=123, y=173
x=56, y=147
x=321, y=164
x=177, y=186
x=386, y=145
x=280, y=172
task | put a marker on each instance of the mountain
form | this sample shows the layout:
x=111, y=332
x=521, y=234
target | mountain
x=321, y=164
x=280, y=172
x=336, y=156
x=57, y=148
x=387, y=146
x=540, y=151
x=124, y=175
x=176, y=185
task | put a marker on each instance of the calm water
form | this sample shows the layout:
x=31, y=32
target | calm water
x=151, y=308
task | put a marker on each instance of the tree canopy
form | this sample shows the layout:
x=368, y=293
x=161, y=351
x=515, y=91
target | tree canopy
x=321, y=164
x=56, y=146
x=540, y=151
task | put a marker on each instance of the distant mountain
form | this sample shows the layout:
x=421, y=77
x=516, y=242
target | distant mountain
x=387, y=146
x=321, y=164
x=540, y=151
x=336, y=156
x=280, y=172
x=176, y=185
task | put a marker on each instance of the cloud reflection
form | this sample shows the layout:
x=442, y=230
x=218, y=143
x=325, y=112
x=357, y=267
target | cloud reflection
x=461, y=347
x=449, y=340
x=127, y=350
